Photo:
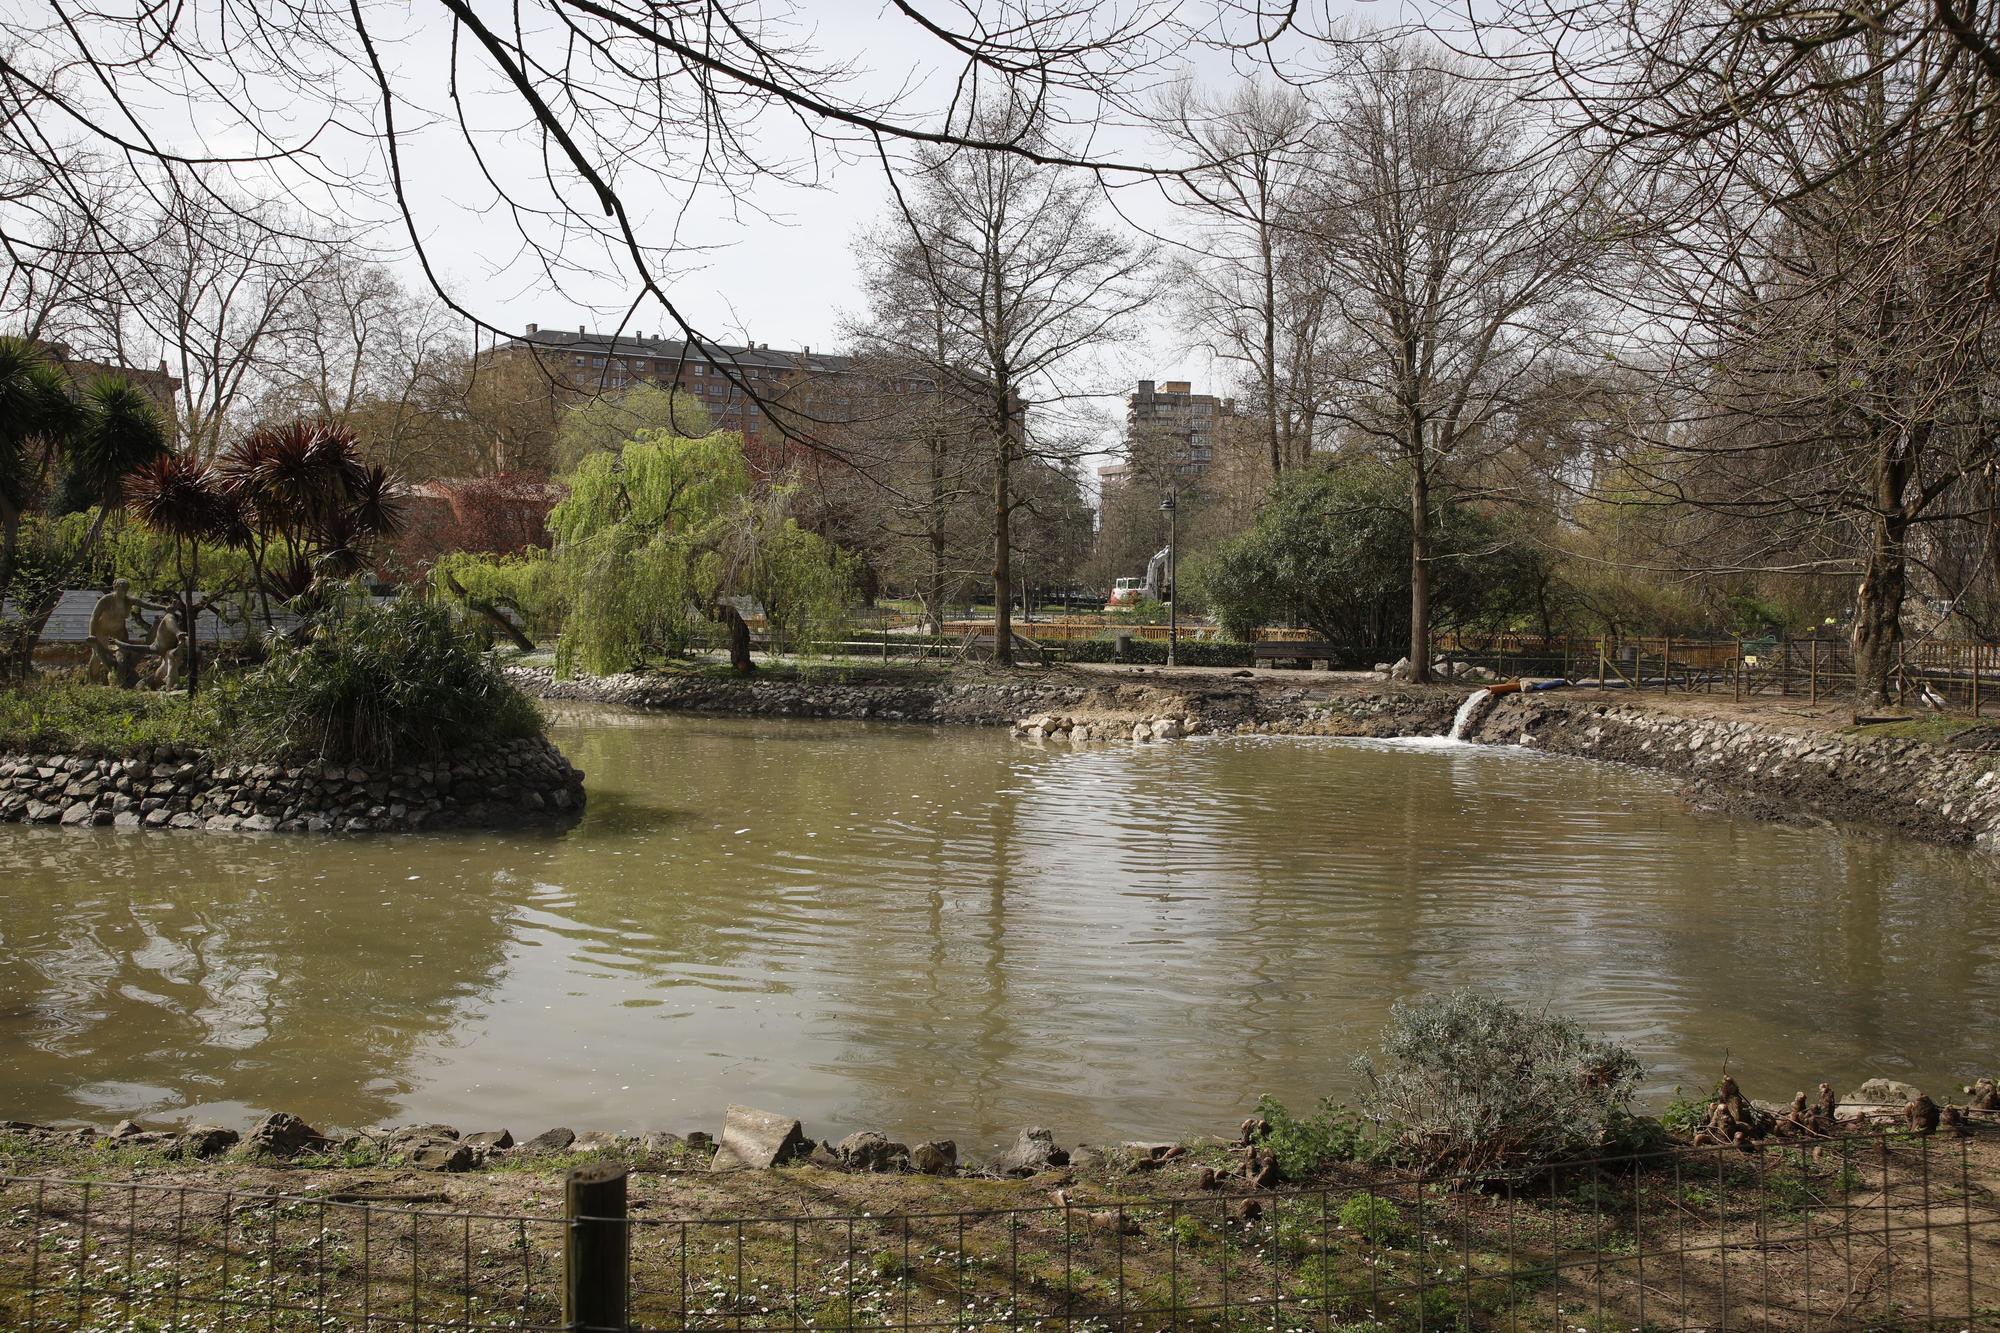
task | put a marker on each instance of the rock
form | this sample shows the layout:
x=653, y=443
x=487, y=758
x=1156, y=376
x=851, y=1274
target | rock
x=1142, y=731
x=441, y=1155
x=550, y=1141
x=205, y=1141
x=489, y=1141
x=282, y=1135
x=1034, y=1151
x=754, y=1140
x=127, y=1129
x=869, y=1151
x=1167, y=729
x=1882, y=1092
x=1401, y=670
x=935, y=1157
x=1114, y=1220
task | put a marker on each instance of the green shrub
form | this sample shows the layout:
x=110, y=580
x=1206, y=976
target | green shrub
x=1475, y=1085
x=1308, y=1145
x=1374, y=1219
x=1196, y=653
x=380, y=686
x=65, y=717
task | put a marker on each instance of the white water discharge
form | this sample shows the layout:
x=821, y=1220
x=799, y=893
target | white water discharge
x=1469, y=713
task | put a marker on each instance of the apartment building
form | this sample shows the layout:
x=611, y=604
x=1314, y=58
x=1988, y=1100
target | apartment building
x=742, y=386
x=1168, y=418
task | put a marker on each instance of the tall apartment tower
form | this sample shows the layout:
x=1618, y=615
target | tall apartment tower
x=1173, y=411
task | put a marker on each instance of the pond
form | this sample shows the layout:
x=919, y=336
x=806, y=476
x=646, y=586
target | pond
x=950, y=932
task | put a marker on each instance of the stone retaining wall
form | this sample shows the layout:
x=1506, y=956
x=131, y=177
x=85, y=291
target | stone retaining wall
x=502, y=785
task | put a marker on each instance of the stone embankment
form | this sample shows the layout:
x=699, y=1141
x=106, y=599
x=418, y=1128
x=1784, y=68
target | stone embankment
x=759, y=1140
x=1913, y=787
x=166, y=787
x=1823, y=776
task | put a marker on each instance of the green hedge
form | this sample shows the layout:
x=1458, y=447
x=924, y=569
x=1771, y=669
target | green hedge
x=1197, y=653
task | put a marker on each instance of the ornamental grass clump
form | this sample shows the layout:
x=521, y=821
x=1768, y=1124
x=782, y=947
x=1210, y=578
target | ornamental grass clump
x=380, y=686
x=1472, y=1086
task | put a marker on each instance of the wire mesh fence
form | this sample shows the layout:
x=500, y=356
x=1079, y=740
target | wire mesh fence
x=1880, y=1232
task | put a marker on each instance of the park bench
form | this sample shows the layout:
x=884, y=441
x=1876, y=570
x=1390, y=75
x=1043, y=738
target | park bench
x=1306, y=652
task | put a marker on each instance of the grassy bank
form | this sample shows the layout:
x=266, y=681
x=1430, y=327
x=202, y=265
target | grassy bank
x=1880, y=1232
x=372, y=686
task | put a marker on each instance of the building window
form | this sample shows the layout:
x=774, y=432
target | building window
x=701, y=370
x=583, y=361
x=597, y=361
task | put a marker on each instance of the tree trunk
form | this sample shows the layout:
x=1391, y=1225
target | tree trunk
x=1878, y=605
x=1878, y=630
x=1420, y=576
x=739, y=641
x=937, y=539
x=1003, y=553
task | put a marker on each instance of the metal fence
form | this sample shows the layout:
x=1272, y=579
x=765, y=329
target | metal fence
x=1877, y=1232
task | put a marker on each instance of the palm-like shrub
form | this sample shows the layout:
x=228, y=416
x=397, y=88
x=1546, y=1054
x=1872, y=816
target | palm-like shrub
x=312, y=506
x=380, y=686
x=179, y=497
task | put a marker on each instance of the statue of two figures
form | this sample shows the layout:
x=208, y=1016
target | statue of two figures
x=158, y=658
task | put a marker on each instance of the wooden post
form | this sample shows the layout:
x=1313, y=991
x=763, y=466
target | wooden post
x=1667, y=664
x=1902, y=677
x=1978, y=652
x=595, y=1249
x=1736, y=675
x=1600, y=663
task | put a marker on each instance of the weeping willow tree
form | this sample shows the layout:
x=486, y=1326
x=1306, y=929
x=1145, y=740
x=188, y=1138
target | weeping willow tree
x=667, y=536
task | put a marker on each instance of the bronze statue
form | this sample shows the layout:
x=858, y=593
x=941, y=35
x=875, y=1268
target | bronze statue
x=112, y=658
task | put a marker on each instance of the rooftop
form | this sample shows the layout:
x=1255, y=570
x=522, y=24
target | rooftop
x=762, y=355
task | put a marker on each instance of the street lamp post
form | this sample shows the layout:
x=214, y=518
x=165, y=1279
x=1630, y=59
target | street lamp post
x=1173, y=588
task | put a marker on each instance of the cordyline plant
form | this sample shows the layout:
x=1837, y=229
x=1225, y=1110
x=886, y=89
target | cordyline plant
x=311, y=506
x=181, y=498
x=1474, y=1086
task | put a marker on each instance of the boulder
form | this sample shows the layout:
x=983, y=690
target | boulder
x=1401, y=670
x=1033, y=1151
x=869, y=1151
x=1882, y=1092
x=1167, y=729
x=935, y=1157
x=489, y=1141
x=754, y=1140
x=550, y=1141
x=282, y=1135
x=441, y=1155
x=205, y=1141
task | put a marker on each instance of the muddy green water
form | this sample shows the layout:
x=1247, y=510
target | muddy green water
x=947, y=931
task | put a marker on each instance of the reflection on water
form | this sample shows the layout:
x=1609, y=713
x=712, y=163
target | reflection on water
x=948, y=931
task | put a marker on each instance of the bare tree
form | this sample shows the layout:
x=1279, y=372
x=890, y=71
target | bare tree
x=1001, y=262
x=1818, y=293
x=366, y=351
x=214, y=288
x=1452, y=245
x=1244, y=282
